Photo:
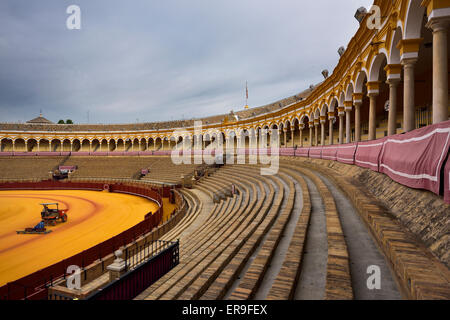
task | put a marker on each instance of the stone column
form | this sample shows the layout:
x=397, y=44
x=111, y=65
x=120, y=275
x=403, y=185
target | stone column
x=392, y=117
x=341, y=114
x=409, y=53
x=357, y=101
x=440, y=68
x=13, y=145
x=348, y=121
x=316, y=132
x=323, y=119
x=373, y=91
x=285, y=140
x=311, y=125
x=301, y=127
x=331, y=119
x=393, y=74
x=292, y=137
x=408, y=95
x=372, y=116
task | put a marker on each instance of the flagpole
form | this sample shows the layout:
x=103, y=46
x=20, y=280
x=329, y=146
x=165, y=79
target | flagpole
x=246, y=95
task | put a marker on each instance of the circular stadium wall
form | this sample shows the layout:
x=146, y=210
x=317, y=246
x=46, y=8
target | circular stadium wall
x=92, y=207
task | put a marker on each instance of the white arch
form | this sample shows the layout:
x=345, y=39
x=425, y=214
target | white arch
x=374, y=74
x=349, y=92
x=394, y=57
x=414, y=19
x=341, y=99
x=324, y=110
x=362, y=76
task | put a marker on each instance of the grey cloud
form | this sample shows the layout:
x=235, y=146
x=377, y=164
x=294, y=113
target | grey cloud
x=159, y=60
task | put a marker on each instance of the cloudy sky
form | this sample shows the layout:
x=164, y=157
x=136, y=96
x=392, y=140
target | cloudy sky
x=152, y=60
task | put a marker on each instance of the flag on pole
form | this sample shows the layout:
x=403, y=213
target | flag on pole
x=246, y=90
x=246, y=95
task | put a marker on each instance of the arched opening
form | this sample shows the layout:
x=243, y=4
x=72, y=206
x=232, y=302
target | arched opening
x=295, y=133
x=361, y=88
x=143, y=145
x=19, y=145
x=66, y=146
x=245, y=139
x=207, y=140
x=128, y=145
x=283, y=136
x=85, y=145
x=232, y=142
x=104, y=146
x=266, y=136
x=76, y=145
x=135, y=145
x=44, y=145
x=7, y=145
x=305, y=136
x=56, y=145
x=423, y=75
x=120, y=145
x=158, y=144
x=378, y=73
x=165, y=144
x=287, y=128
x=151, y=144
x=95, y=145
x=112, y=145
x=258, y=133
x=324, y=128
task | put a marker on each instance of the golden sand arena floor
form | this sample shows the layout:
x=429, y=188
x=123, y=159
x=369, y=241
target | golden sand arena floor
x=93, y=217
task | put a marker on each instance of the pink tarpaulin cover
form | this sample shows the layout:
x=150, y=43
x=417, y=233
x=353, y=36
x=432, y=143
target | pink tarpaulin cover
x=315, y=152
x=302, y=152
x=447, y=181
x=48, y=153
x=287, y=152
x=368, y=153
x=161, y=153
x=25, y=153
x=80, y=153
x=329, y=153
x=415, y=159
x=346, y=153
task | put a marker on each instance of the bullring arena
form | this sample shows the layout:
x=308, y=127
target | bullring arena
x=358, y=190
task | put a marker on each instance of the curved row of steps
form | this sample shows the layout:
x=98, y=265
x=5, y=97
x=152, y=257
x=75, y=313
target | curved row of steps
x=293, y=235
x=198, y=249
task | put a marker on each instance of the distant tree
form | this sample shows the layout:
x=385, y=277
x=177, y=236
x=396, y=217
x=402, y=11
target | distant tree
x=61, y=122
x=68, y=121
